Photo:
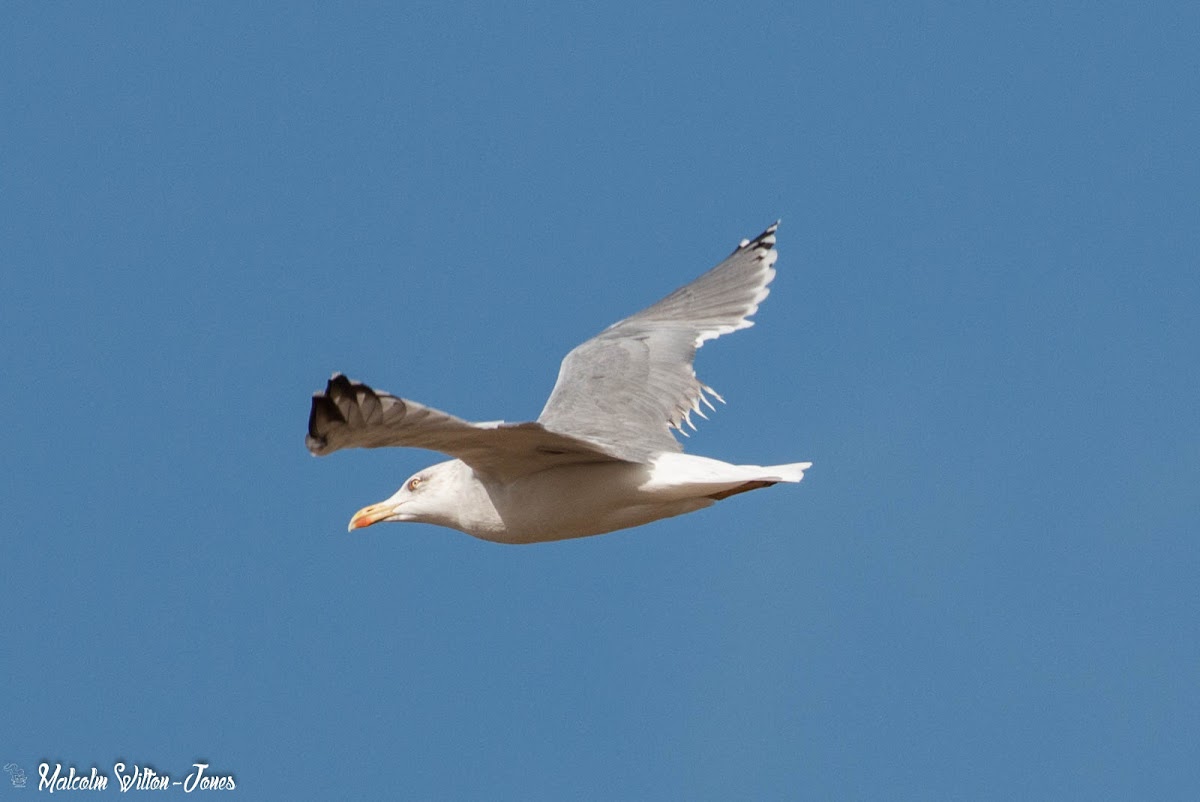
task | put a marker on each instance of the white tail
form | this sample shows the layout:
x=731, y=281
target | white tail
x=689, y=476
x=792, y=472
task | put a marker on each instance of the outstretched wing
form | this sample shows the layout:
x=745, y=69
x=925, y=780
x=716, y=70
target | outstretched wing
x=349, y=414
x=627, y=387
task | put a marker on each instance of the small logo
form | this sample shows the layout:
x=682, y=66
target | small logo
x=16, y=774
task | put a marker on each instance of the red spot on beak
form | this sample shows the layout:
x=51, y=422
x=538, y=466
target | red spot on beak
x=369, y=515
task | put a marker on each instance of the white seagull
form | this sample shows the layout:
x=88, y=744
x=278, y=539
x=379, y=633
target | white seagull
x=601, y=455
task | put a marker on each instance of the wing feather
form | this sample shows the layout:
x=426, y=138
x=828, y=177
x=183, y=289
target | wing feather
x=630, y=385
x=349, y=414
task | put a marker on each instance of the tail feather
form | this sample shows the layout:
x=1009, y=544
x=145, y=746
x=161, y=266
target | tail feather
x=792, y=472
x=675, y=475
x=770, y=475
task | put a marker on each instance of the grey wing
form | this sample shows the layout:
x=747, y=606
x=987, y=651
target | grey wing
x=349, y=414
x=627, y=387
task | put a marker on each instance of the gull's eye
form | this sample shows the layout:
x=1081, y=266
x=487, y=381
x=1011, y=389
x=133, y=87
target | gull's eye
x=414, y=483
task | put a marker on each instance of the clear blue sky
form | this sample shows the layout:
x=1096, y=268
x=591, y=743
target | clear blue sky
x=983, y=333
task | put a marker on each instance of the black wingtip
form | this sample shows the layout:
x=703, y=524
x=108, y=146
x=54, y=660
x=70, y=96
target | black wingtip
x=765, y=240
x=323, y=412
x=338, y=382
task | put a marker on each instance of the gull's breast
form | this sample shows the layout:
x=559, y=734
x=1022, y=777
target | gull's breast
x=577, y=501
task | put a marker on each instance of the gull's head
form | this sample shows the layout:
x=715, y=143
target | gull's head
x=427, y=496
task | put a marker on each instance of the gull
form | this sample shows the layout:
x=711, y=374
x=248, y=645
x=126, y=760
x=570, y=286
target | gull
x=601, y=456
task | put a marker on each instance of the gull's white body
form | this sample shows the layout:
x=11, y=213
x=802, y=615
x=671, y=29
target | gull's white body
x=601, y=455
x=570, y=501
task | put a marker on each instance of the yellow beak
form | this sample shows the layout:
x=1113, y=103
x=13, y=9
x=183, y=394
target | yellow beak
x=370, y=515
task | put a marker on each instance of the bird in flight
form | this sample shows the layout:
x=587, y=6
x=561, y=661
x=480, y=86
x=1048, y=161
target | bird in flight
x=601, y=456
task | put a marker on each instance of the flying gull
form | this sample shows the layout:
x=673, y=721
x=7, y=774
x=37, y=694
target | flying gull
x=601, y=456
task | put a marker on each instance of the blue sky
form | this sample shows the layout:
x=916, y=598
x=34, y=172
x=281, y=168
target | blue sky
x=983, y=334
